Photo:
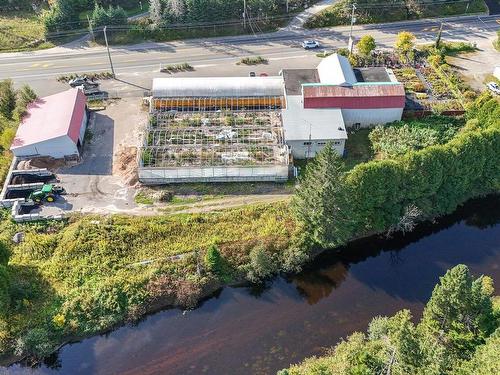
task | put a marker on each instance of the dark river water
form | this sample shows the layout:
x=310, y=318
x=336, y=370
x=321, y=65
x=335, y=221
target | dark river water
x=258, y=331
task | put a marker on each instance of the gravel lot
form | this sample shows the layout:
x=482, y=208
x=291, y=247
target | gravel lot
x=476, y=66
x=92, y=186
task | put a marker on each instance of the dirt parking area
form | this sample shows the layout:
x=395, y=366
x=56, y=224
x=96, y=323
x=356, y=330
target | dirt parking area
x=477, y=66
x=102, y=182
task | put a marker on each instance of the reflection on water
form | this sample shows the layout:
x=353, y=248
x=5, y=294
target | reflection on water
x=260, y=330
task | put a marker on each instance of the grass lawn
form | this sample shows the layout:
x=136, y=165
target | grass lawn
x=21, y=31
x=358, y=148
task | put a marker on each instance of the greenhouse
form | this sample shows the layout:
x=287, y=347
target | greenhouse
x=217, y=93
x=214, y=146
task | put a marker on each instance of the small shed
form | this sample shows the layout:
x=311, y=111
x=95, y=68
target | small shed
x=53, y=126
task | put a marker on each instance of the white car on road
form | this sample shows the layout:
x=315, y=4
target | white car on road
x=493, y=87
x=310, y=44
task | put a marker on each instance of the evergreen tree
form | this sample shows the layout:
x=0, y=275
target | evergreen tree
x=213, y=260
x=7, y=98
x=321, y=200
x=459, y=313
x=155, y=12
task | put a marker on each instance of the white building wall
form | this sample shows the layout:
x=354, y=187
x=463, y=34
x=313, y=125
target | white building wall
x=213, y=174
x=371, y=117
x=304, y=150
x=83, y=127
x=56, y=147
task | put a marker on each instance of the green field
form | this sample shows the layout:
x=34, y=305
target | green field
x=380, y=11
x=22, y=31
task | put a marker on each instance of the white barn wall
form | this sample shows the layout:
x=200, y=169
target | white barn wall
x=371, y=117
x=83, y=127
x=301, y=151
x=55, y=147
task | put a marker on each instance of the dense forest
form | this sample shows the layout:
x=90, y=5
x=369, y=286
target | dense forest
x=459, y=334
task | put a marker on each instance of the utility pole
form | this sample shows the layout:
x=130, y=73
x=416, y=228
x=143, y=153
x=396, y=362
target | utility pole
x=287, y=6
x=109, y=54
x=90, y=28
x=245, y=14
x=353, y=19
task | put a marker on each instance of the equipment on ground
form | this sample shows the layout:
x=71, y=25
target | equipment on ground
x=48, y=193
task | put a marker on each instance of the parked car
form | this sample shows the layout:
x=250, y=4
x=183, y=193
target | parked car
x=83, y=81
x=310, y=44
x=89, y=90
x=263, y=74
x=252, y=74
x=493, y=87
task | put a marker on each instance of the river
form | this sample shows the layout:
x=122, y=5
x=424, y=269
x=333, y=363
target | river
x=260, y=330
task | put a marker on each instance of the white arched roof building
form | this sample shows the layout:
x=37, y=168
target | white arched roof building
x=218, y=87
x=336, y=70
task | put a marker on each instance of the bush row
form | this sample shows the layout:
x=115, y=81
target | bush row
x=375, y=196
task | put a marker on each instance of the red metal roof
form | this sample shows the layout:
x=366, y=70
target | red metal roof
x=358, y=91
x=52, y=117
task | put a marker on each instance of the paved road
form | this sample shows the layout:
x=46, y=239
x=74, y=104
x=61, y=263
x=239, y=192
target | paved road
x=137, y=65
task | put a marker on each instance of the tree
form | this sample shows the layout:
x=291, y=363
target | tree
x=116, y=16
x=7, y=98
x=261, y=266
x=213, y=260
x=459, y=312
x=62, y=15
x=321, y=200
x=176, y=8
x=486, y=359
x=413, y=9
x=155, y=12
x=25, y=96
x=99, y=16
x=405, y=43
x=366, y=45
x=110, y=16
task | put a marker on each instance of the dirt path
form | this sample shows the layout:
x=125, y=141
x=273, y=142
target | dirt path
x=224, y=203
x=211, y=205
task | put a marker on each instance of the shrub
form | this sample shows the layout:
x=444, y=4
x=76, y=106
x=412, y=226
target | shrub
x=496, y=42
x=5, y=297
x=366, y=45
x=4, y=253
x=262, y=265
x=36, y=342
x=253, y=60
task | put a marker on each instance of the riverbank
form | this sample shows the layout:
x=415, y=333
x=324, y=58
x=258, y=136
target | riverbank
x=259, y=330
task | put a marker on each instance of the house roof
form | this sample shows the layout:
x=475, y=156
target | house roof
x=218, y=87
x=336, y=70
x=315, y=124
x=294, y=78
x=52, y=117
x=358, y=90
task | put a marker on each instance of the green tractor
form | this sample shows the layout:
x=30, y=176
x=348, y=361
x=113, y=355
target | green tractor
x=47, y=193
